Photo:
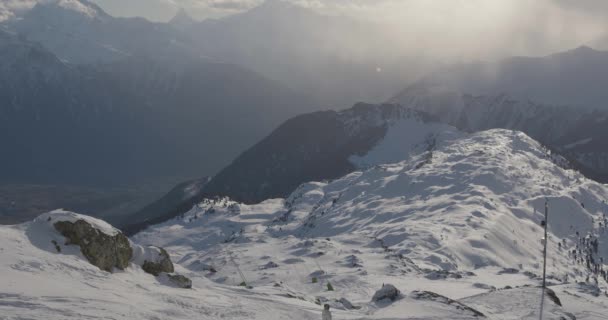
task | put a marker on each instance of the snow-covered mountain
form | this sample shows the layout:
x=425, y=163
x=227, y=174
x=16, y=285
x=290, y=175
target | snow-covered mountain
x=577, y=133
x=314, y=147
x=461, y=218
x=333, y=59
x=182, y=20
x=455, y=227
x=79, y=31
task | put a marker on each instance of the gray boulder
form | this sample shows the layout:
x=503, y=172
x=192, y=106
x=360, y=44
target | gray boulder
x=158, y=263
x=387, y=292
x=180, y=281
x=347, y=304
x=269, y=265
x=102, y=250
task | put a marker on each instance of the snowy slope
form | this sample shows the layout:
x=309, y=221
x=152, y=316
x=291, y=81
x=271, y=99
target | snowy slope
x=578, y=134
x=38, y=283
x=315, y=147
x=472, y=202
x=461, y=220
x=558, y=100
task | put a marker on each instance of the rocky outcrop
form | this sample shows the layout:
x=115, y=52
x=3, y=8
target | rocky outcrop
x=553, y=297
x=102, y=250
x=180, y=281
x=269, y=265
x=387, y=292
x=432, y=296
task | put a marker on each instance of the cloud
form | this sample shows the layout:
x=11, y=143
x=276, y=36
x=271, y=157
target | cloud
x=8, y=8
x=484, y=28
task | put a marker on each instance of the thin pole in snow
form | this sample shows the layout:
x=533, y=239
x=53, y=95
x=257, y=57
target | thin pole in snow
x=542, y=297
x=237, y=268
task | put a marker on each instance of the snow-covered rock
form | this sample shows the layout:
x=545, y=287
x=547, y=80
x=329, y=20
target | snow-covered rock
x=102, y=250
x=153, y=260
x=387, y=292
x=98, y=242
x=177, y=280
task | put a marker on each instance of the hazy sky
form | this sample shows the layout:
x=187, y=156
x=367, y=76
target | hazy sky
x=461, y=28
x=164, y=9
x=529, y=26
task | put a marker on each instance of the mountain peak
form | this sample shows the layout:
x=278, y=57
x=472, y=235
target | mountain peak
x=584, y=48
x=182, y=19
x=274, y=6
x=83, y=8
x=581, y=51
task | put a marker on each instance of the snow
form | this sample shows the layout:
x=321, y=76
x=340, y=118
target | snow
x=461, y=219
x=68, y=216
x=406, y=137
x=77, y=6
x=141, y=254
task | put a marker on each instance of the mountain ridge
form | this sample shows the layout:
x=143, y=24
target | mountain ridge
x=562, y=128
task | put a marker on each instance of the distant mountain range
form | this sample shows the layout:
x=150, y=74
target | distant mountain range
x=132, y=120
x=558, y=100
x=336, y=59
x=90, y=99
x=572, y=78
x=80, y=32
x=332, y=59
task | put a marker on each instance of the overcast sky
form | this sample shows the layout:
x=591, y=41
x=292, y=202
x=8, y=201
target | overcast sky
x=163, y=10
x=471, y=28
x=529, y=26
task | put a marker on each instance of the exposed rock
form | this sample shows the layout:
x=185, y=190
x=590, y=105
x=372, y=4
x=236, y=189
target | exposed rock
x=347, y=304
x=508, y=271
x=102, y=250
x=553, y=297
x=353, y=261
x=431, y=296
x=484, y=286
x=180, y=281
x=444, y=274
x=388, y=291
x=159, y=262
x=269, y=265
